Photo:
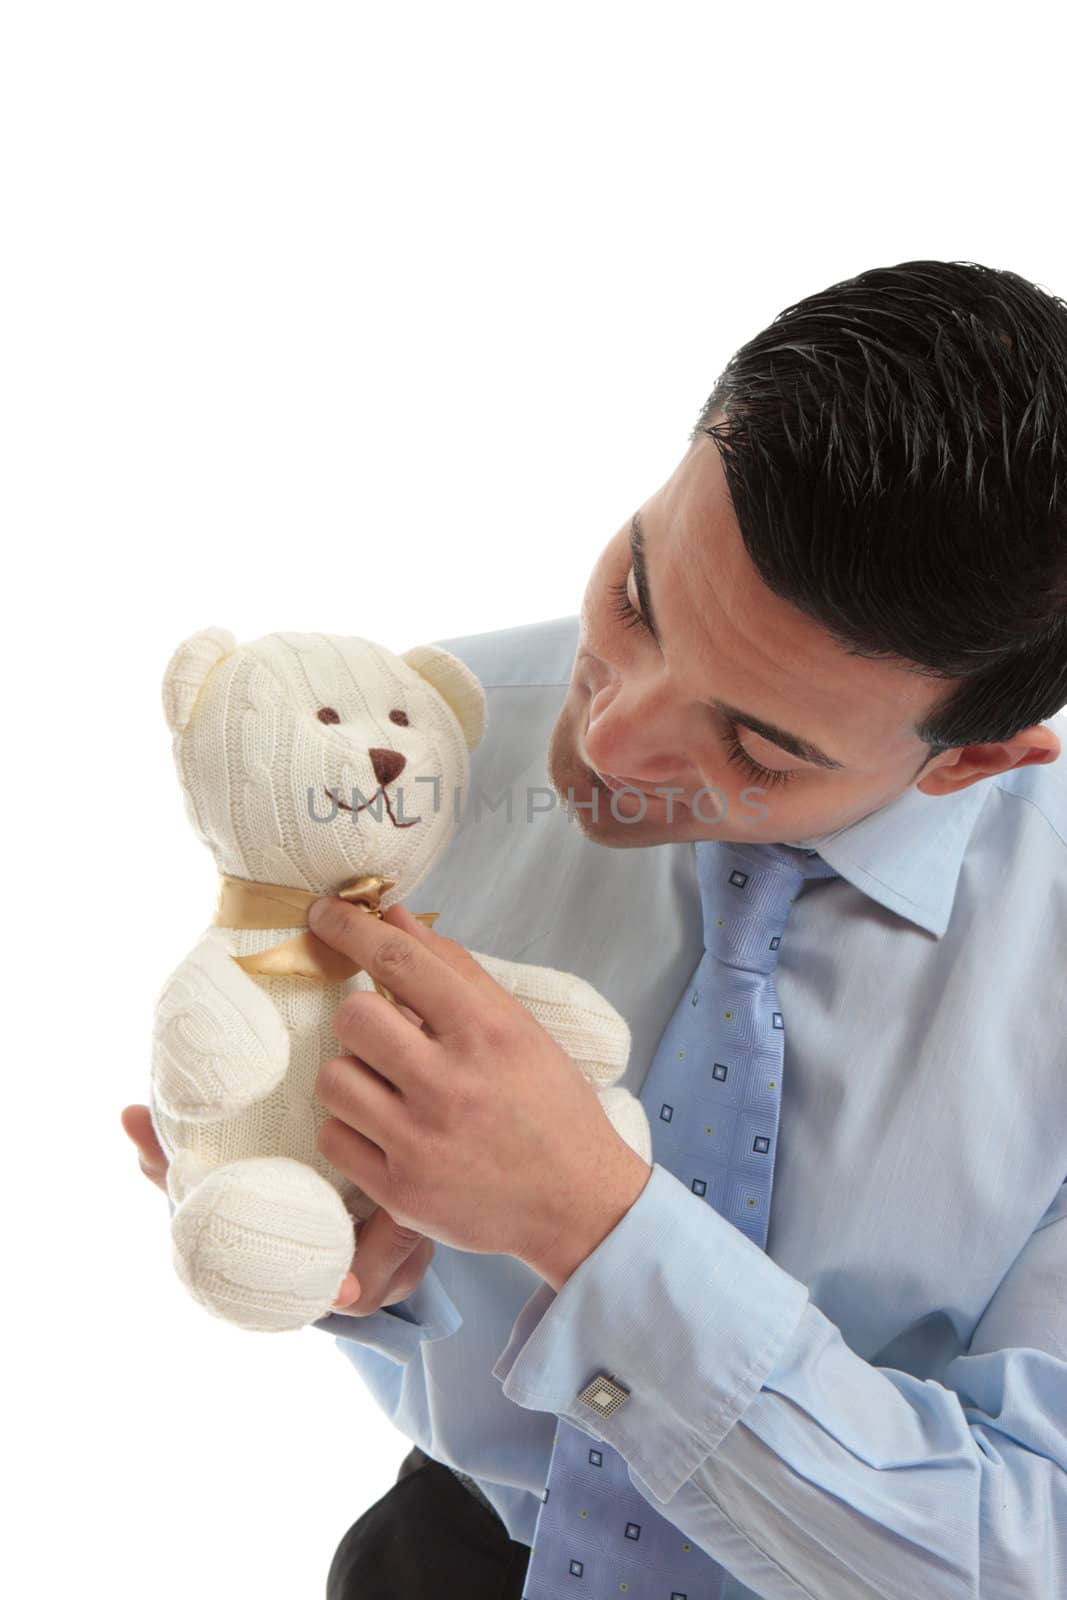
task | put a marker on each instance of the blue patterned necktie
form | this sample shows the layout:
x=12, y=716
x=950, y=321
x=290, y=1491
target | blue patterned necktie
x=712, y=1095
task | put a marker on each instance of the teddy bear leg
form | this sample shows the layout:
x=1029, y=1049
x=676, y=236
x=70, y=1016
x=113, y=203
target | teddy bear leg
x=263, y=1243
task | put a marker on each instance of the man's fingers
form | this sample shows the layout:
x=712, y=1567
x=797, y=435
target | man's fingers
x=456, y=955
x=388, y=1265
x=404, y=1281
x=412, y=967
x=137, y=1125
x=406, y=1011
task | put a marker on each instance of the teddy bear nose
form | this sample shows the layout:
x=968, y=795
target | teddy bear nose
x=387, y=764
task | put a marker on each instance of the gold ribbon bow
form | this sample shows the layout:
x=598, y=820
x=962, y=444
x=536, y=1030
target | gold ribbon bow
x=243, y=903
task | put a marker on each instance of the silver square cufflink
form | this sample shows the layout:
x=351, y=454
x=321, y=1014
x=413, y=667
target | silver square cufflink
x=603, y=1395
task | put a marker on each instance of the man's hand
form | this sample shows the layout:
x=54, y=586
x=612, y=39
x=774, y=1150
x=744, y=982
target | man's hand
x=475, y=1126
x=392, y=1259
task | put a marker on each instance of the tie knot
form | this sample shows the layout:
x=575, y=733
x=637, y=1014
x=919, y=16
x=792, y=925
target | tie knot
x=747, y=892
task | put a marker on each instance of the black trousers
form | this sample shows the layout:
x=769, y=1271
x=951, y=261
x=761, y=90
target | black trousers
x=428, y=1538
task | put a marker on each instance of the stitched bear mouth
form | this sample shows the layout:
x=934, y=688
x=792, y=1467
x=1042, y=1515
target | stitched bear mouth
x=379, y=791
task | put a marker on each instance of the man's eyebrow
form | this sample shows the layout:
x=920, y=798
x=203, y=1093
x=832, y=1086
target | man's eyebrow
x=803, y=749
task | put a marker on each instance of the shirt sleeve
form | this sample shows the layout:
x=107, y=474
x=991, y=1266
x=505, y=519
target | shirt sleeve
x=806, y=1471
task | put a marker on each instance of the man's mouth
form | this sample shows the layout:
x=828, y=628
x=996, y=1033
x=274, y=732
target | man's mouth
x=379, y=791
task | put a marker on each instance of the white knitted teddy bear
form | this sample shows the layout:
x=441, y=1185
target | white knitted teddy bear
x=298, y=755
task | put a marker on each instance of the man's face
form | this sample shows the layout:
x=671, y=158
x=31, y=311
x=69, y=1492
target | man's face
x=640, y=711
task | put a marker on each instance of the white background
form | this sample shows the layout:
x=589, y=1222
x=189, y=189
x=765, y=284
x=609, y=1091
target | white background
x=375, y=319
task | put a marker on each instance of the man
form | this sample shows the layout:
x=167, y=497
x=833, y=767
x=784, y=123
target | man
x=837, y=633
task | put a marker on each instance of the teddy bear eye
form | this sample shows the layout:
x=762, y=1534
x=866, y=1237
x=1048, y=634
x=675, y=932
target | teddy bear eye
x=399, y=716
x=327, y=714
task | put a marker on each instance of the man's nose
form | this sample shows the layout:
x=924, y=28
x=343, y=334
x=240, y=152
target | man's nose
x=637, y=731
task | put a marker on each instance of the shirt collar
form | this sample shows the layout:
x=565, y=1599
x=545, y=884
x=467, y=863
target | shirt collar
x=907, y=855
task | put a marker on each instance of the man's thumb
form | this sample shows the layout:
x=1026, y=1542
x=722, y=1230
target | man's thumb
x=392, y=1241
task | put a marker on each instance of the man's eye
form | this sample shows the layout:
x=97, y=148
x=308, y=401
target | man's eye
x=737, y=753
x=624, y=608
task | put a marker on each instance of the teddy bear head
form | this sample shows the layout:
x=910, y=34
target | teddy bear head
x=308, y=759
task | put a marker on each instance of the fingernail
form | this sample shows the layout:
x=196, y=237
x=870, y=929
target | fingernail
x=349, y=1291
x=316, y=911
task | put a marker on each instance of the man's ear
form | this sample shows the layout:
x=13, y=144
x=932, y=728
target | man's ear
x=187, y=672
x=1032, y=747
x=458, y=686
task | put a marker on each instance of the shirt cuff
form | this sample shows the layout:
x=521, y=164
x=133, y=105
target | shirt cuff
x=684, y=1311
x=397, y=1331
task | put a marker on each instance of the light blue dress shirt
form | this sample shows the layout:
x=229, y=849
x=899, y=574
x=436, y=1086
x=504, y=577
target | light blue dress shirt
x=877, y=1404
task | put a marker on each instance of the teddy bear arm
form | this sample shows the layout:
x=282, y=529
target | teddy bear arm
x=577, y=1016
x=218, y=1041
x=590, y=1030
x=628, y=1117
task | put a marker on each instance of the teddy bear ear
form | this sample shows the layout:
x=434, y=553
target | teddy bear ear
x=187, y=671
x=457, y=685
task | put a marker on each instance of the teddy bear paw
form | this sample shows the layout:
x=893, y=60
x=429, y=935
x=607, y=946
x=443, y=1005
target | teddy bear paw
x=627, y=1116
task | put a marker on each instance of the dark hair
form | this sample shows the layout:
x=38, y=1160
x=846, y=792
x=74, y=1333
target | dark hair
x=895, y=448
